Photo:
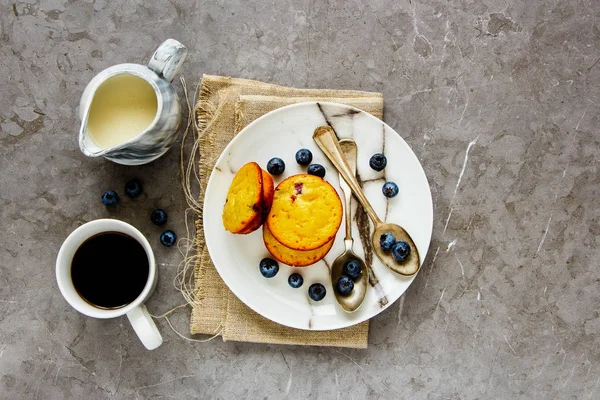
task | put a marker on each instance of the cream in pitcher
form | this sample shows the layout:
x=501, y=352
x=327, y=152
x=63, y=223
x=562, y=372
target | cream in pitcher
x=130, y=113
x=122, y=108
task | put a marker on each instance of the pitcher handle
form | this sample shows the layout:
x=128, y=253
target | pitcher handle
x=167, y=59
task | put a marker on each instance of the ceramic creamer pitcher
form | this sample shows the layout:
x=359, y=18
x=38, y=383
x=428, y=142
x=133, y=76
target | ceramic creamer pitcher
x=129, y=112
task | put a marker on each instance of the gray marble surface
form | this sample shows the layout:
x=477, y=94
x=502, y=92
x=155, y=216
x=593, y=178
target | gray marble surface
x=499, y=101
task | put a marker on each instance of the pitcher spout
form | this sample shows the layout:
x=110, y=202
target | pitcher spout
x=87, y=145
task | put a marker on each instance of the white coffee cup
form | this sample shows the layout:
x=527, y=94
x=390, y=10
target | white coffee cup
x=136, y=311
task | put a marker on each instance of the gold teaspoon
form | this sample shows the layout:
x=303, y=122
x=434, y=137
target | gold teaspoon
x=352, y=301
x=328, y=142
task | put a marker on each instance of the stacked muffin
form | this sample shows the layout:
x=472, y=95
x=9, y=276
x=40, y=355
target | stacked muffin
x=300, y=217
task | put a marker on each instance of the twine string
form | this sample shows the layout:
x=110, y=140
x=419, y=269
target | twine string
x=188, y=245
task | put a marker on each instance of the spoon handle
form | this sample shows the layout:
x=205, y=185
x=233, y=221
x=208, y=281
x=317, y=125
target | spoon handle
x=326, y=139
x=349, y=150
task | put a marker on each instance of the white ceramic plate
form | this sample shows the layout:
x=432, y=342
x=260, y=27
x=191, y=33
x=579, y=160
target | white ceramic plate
x=280, y=134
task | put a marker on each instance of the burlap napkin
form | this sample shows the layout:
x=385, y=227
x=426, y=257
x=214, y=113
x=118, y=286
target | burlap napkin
x=225, y=106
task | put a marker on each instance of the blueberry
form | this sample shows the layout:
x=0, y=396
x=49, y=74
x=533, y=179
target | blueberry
x=268, y=267
x=276, y=166
x=378, y=161
x=133, y=188
x=345, y=285
x=110, y=198
x=158, y=217
x=389, y=189
x=168, y=238
x=401, y=250
x=303, y=156
x=352, y=268
x=317, y=170
x=317, y=292
x=295, y=280
x=386, y=241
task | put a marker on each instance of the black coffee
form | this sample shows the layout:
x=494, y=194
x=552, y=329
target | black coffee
x=110, y=270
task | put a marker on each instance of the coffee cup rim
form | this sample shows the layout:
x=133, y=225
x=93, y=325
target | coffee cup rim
x=70, y=246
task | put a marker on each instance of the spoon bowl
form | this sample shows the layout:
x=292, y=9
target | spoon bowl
x=352, y=301
x=408, y=267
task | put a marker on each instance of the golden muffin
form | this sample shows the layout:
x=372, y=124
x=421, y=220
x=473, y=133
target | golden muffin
x=267, y=201
x=244, y=202
x=295, y=258
x=306, y=212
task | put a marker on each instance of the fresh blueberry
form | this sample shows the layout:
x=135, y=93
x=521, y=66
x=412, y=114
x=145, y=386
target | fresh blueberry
x=133, y=188
x=352, y=268
x=303, y=156
x=378, y=161
x=345, y=285
x=268, y=267
x=295, y=280
x=386, y=241
x=317, y=292
x=276, y=166
x=110, y=198
x=168, y=238
x=401, y=250
x=158, y=217
x=317, y=170
x=389, y=189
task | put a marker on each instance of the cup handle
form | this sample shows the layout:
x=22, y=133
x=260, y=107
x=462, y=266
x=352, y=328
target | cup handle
x=167, y=59
x=144, y=327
